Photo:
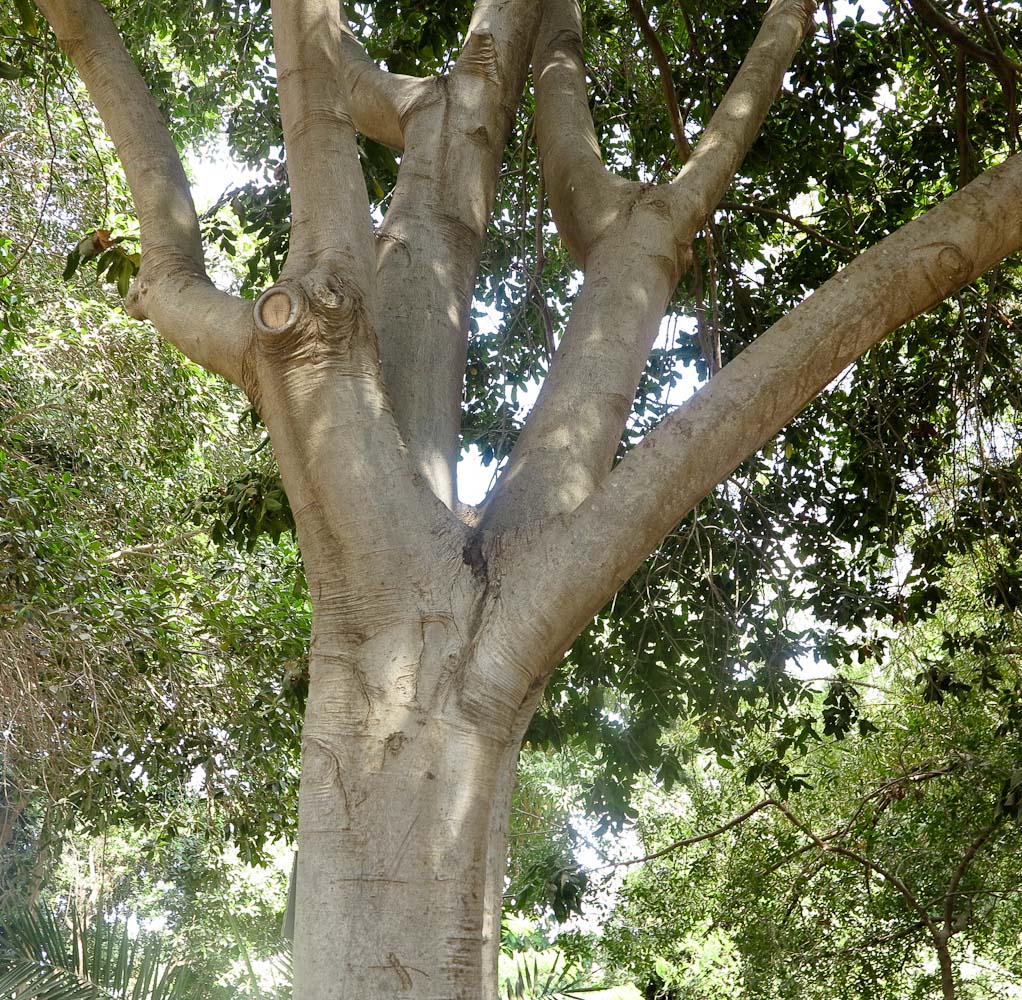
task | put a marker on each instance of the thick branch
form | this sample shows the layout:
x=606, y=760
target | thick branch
x=329, y=204
x=170, y=229
x=316, y=383
x=737, y=121
x=571, y=436
x=208, y=325
x=500, y=38
x=173, y=290
x=584, y=196
x=561, y=580
x=379, y=100
x=432, y=239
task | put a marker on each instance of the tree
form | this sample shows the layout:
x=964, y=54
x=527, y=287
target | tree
x=437, y=627
x=117, y=911
x=893, y=870
x=39, y=959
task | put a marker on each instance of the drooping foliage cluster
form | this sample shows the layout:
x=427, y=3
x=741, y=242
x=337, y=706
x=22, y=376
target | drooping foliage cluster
x=142, y=661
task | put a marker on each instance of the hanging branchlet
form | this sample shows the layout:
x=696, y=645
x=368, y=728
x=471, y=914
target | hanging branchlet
x=536, y=292
x=681, y=143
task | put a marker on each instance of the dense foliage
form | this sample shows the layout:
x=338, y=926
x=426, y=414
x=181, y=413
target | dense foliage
x=141, y=660
x=914, y=819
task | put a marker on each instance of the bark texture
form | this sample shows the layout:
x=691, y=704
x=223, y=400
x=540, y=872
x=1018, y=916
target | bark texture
x=434, y=635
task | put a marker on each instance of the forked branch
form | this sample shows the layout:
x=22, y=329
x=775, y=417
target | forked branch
x=953, y=891
x=826, y=847
x=500, y=38
x=380, y=101
x=633, y=242
x=569, y=572
x=930, y=15
x=173, y=290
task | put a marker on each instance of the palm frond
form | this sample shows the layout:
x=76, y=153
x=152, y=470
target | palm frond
x=26, y=980
x=557, y=981
x=45, y=958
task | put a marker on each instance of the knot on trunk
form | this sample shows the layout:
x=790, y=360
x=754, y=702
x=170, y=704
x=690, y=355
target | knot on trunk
x=953, y=264
x=319, y=317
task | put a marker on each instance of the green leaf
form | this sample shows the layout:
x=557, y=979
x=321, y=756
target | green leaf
x=124, y=275
x=45, y=958
x=27, y=15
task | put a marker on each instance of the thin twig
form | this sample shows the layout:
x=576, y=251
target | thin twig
x=959, y=873
x=967, y=169
x=21, y=415
x=49, y=182
x=1007, y=72
x=89, y=131
x=681, y=143
x=712, y=347
x=148, y=547
x=773, y=213
x=689, y=841
x=536, y=289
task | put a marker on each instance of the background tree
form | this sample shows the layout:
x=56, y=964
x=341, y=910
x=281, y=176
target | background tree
x=139, y=656
x=148, y=916
x=429, y=669
x=893, y=870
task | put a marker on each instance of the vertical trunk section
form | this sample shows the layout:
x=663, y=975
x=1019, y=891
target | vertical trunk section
x=399, y=879
x=496, y=868
x=947, y=970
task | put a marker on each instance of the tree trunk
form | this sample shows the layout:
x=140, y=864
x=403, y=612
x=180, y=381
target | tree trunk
x=399, y=874
x=947, y=970
x=421, y=684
